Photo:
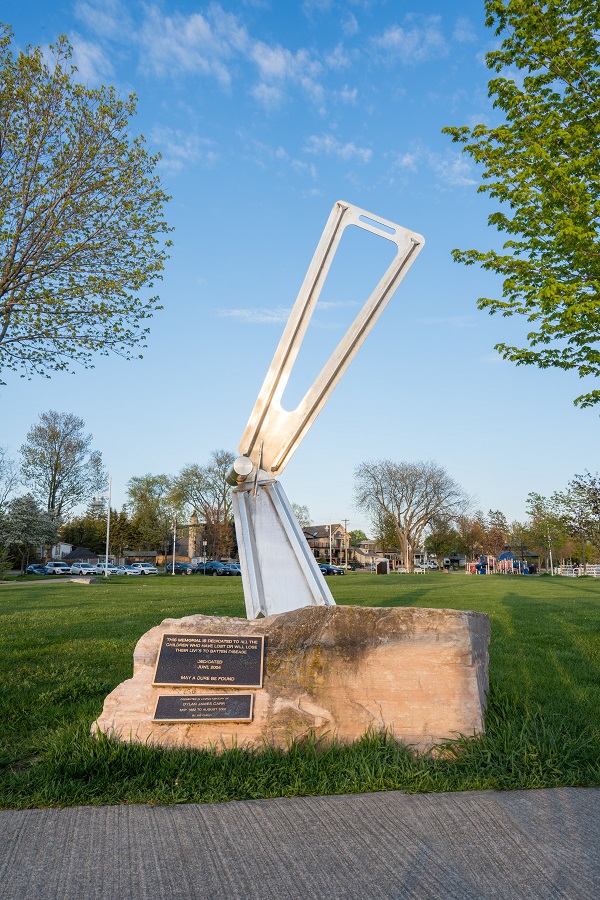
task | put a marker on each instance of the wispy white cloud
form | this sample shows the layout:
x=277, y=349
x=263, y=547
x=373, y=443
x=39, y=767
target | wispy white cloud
x=278, y=66
x=211, y=43
x=263, y=316
x=180, y=149
x=464, y=31
x=348, y=96
x=414, y=43
x=325, y=305
x=452, y=169
x=407, y=161
x=104, y=18
x=350, y=25
x=280, y=314
x=174, y=44
x=276, y=159
x=327, y=145
x=93, y=65
x=338, y=58
x=270, y=96
x=310, y=8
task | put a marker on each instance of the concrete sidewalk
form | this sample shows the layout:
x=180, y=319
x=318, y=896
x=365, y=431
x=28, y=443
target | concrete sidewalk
x=515, y=845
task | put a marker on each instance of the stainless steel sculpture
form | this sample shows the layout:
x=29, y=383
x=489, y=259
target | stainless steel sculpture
x=279, y=571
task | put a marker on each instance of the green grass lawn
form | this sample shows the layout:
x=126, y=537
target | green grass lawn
x=64, y=646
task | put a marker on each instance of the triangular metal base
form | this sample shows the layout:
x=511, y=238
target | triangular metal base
x=279, y=571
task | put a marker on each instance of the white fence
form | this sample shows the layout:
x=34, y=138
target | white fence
x=576, y=571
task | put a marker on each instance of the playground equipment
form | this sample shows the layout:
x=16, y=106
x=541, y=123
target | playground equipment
x=504, y=564
x=279, y=572
x=484, y=565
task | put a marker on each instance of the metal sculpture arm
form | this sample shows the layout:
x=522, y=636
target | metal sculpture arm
x=280, y=431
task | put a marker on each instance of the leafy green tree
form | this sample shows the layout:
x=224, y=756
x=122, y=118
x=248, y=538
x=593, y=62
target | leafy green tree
x=472, y=535
x=87, y=532
x=205, y=490
x=584, y=491
x=404, y=498
x=574, y=508
x=24, y=526
x=151, y=511
x=520, y=538
x=8, y=476
x=356, y=536
x=80, y=216
x=59, y=465
x=542, y=163
x=385, y=532
x=497, y=532
x=442, y=540
x=546, y=527
x=122, y=532
x=302, y=513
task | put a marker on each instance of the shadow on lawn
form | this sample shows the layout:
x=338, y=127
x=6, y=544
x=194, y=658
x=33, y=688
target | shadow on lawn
x=547, y=659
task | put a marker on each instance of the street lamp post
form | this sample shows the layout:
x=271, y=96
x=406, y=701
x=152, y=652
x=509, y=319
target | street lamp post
x=174, y=544
x=107, y=528
x=550, y=548
x=204, y=555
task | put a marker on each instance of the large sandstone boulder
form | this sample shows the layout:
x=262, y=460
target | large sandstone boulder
x=332, y=672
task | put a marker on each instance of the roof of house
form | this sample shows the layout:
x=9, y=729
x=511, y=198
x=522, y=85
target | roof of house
x=80, y=553
x=322, y=531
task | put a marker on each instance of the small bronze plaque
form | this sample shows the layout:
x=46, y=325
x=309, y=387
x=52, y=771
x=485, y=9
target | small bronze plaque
x=210, y=660
x=204, y=708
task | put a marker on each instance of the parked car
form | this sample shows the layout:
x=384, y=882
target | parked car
x=181, y=568
x=326, y=569
x=232, y=569
x=212, y=567
x=128, y=570
x=101, y=567
x=145, y=568
x=82, y=568
x=37, y=569
x=58, y=568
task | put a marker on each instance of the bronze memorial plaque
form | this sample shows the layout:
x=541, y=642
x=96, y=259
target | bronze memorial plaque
x=204, y=708
x=210, y=660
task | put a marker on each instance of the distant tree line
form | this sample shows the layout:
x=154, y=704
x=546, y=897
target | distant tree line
x=61, y=472
x=417, y=504
x=410, y=505
x=564, y=527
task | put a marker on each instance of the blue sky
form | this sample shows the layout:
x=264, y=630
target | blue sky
x=266, y=113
